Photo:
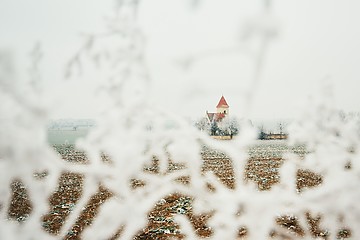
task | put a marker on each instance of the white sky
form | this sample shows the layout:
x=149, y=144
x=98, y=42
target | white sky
x=317, y=39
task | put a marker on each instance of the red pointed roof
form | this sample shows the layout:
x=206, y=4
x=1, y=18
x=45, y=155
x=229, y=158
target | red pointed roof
x=222, y=103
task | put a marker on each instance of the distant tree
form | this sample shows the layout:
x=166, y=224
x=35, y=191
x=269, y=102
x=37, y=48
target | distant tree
x=203, y=125
x=214, y=130
x=229, y=127
x=262, y=134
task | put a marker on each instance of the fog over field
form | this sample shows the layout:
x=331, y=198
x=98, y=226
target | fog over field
x=196, y=53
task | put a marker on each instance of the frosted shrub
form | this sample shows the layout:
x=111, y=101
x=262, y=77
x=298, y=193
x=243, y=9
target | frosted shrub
x=24, y=152
x=332, y=142
x=154, y=149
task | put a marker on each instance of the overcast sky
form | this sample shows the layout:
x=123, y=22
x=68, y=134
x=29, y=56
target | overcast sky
x=316, y=40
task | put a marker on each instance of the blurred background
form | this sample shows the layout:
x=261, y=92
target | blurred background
x=195, y=52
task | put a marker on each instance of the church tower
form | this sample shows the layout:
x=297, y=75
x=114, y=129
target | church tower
x=222, y=107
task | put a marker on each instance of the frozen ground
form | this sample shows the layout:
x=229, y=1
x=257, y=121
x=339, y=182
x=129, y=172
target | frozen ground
x=262, y=148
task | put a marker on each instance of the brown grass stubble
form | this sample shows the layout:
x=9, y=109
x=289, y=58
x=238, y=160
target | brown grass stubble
x=263, y=171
